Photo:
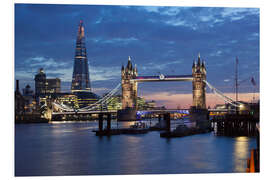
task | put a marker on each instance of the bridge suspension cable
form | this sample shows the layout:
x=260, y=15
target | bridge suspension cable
x=221, y=95
x=105, y=99
x=63, y=107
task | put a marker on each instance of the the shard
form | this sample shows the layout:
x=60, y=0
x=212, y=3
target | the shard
x=80, y=77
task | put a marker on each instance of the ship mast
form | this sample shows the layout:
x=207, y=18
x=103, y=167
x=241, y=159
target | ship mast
x=236, y=79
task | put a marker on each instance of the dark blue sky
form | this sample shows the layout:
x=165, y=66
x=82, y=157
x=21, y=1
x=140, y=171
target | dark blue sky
x=158, y=39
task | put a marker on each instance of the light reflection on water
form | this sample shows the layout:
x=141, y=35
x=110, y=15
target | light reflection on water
x=73, y=149
x=240, y=153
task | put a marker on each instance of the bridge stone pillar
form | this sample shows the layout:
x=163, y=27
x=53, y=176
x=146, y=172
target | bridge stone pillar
x=109, y=118
x=198, y=84
x=167, y=118
x=198, y=111
x=129, y=88
x=129, y=93
x=100, y=122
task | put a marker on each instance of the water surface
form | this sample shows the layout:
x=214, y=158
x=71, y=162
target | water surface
x=73, y=149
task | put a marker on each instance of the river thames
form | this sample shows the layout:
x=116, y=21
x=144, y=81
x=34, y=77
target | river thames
x=71, y=148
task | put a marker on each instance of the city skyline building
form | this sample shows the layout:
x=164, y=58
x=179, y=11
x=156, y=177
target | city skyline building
x=40, y=82
x=80, y=77
x=28, y=95
x=44, y=85
x=19, y=102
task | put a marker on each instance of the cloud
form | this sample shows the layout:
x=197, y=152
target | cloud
x=158, y=38
x=100, y=91
x=181, y=22
x=206, y=18
x=44, y=62
x=150, y=9
x=238, y=13
x=218, y=53
x=113, y=41
x=159, y=66
x=164, y=11
x=96, y=73
x=55, y=69
x=104, y=73
x=196, y=18
x=171, y=11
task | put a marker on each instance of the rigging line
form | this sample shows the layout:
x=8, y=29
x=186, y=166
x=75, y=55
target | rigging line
x=236, y=105
x=217, y=91
x=213, y=88
x=225, y=98
x=222, y=96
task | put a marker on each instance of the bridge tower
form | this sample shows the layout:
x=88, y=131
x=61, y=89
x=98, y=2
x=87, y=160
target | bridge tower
x=129, y=88
x=198, y=84
x=198, y=112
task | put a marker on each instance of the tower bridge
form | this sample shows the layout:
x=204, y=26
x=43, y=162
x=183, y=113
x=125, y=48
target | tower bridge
x=130, y=80
x=129, y=88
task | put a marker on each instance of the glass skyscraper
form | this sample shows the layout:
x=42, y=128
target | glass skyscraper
x=80, y=77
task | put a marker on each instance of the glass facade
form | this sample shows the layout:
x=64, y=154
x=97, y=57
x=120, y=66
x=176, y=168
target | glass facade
x=80, y=78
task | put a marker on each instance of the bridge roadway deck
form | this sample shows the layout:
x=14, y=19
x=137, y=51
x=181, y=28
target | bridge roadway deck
x=218, y=110
x=115, y=111
x=163, y=78
x=186, y=111
x=139, y=111
x=83, y=112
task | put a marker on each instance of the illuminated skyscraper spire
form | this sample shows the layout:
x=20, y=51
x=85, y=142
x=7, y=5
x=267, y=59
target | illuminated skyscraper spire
x=80, y=78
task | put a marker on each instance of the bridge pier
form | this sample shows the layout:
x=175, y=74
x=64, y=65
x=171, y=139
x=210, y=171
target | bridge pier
x=100, y=122
x=109, y=118
x=162, y=121
x=167, y=119
x=200, y=117
x=165, y=122
x=128, y=114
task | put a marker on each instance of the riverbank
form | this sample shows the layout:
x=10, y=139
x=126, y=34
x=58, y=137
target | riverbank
x=30, y=118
